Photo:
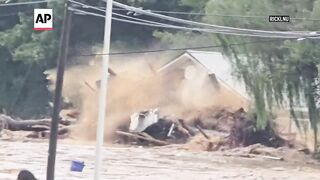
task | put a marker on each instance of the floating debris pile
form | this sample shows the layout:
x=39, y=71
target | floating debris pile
x=220, y=130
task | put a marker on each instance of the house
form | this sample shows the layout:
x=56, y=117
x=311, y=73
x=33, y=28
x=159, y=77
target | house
x=209, y=71
x=205, y=67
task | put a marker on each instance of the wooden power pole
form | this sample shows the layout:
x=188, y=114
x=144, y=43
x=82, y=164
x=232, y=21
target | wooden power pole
x=63, y=51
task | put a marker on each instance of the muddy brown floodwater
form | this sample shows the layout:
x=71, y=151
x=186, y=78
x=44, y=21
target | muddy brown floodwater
x=144, y=163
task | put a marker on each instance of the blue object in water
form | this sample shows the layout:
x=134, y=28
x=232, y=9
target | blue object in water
x=77, y=166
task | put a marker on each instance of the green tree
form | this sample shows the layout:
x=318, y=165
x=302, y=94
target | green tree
x=24, y=55
x=284, y=68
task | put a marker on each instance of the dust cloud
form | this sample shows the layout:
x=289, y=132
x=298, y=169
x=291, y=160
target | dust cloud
x=137, y=86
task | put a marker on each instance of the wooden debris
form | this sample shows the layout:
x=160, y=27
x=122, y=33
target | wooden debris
x=39, y=127
x=202, y=132
x=254, y=156
x=183, y=126
x=25, y=125
x=89, y=86
x=146, y=138
x=267, y=157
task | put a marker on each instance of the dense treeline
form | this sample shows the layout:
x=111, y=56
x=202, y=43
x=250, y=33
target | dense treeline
x=25, y=53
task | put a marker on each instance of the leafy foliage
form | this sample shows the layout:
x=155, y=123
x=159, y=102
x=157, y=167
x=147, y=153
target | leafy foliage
x=25, y=53
x=284, y=68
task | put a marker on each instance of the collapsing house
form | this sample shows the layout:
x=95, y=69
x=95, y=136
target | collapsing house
x=207, y=70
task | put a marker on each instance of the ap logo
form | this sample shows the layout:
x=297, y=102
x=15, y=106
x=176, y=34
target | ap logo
x=43, y=19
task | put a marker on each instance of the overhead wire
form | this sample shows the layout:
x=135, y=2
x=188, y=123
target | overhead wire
x=221, y=15
x=213, y=14
x=23, y=3
x=197, y=29
x=156, y=24
x=157, y=50
x=163, y=25
x=180, y=49
x=189, y=22
x=19, y=4
x=152, y=23
x=228, y=30
x=167, y=12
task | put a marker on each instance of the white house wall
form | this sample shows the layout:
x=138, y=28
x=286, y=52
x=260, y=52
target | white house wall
x=216, y=64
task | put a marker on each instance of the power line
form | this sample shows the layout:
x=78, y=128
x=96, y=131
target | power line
x=221, y=15
x=213, y=14
x=226, y=29
x=194, y=23
x=172, y=12
x=180, y=49
x=23, y=3
x=201, y=29
x=163, y=25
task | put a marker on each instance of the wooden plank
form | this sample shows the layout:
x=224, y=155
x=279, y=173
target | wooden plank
x=147, y=138
x=202, y=132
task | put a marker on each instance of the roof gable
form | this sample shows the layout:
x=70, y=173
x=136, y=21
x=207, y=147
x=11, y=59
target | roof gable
x=213, y=63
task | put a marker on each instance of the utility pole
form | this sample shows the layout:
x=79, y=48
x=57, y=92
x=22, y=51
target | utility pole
x=63, y=51
x=103, y=89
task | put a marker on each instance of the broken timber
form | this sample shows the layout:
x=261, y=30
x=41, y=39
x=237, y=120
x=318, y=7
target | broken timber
x=146, y=138
x=202, y=132
x=40, y=125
